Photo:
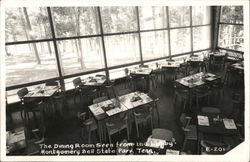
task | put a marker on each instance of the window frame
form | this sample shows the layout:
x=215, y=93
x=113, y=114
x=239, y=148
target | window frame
x=102, y=35
x=226, y=23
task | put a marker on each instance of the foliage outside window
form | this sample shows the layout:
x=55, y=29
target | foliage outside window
x=122, y=49
x=78, y=55
x=154, y=44
x=25, y=61
x=231, y=33
x=201, y=15
x=179, y=16
x=201, y=37
x=118, y=19
x=180, y=41
x=152, y=17
x=34, y=61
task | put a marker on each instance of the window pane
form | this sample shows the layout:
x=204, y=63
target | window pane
x=122, y=49
x=179, y=16
x=232, y=37
x=152, y=17
x=30, y=62
x=75, y=21
x=26, y=24
x=79, y=55
x=232, y=14
x=201, y=15
x=154, y=44
x=180, y=41
x=118, y=19
x=201, y=37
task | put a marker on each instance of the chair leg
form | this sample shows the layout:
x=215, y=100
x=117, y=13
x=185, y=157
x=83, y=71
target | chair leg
x=151, y=120
x=137, y=129
x=184, y=145
x=109, y=138
x=89, y=137
x=128, y=133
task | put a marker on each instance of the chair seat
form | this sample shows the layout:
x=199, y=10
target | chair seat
x=163, y=134
x=192, y=134
x=117, y=126
x=92, y=126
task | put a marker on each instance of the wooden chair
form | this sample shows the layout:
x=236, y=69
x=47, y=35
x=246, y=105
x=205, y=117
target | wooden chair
x=87, y=125
x=202, y=92
x=142, y=116
x=183, y=94
x=29, y=106
x=153, y=81
x=77, y=91
x=116, y=124
x=152, y=95
x=218, y=90
x=128, y=79
x=208, y=146
x=100, y=99
x=60, y=102
x=163, y=134
x=110, y=89
x=139, y=83
x=190, y=131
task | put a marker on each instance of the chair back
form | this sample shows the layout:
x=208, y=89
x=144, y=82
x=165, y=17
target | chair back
x=81, y=116
x=212, y=110
x=185, y=121
x=22, y=92
x=152, y=95
x=77, y=81
x=126, y=71
x=163, y=134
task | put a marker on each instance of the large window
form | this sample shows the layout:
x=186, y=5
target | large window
x=180, y=41
x=122, y=49
x=201, y=15
x=179, y=16
x=75, y=21
x=152, y=18
x=154, y=44
x=201, y=37
x=26, y=24
x=79, y=55
x=28, y=62
x=118, y=19
x=231, y=33
x=45, y=43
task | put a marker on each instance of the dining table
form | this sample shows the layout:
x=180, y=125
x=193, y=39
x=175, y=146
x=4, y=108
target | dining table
x=42, y=91
x=216, y=125
x=142, y=72
x=121, y=104
x=198, y=79
x=94, y=80
x=170, y=64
